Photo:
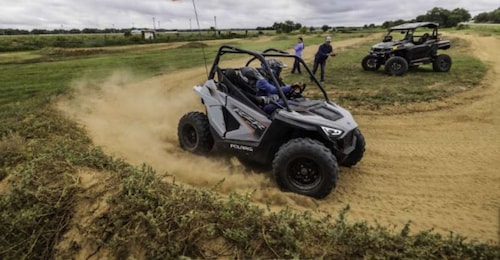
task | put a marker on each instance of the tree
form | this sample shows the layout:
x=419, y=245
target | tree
x=481, y=18
x=286, y=27
x=387, y=24
x=444, y=17
x=462, y=13
x=438, y=15
x=488, y=17
x=90, y=30
x=75, y=31
x=325, y=28
x=457, y=16
x=495, y=16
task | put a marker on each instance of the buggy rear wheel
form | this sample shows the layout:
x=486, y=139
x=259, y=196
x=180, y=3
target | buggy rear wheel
x=194, y=134
x=305, y=166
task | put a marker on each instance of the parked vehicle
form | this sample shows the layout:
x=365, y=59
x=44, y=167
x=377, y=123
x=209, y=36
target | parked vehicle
x=419, y=44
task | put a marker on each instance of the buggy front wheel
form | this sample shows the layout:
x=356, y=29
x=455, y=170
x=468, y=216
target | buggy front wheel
x=396, y=66
x=306, y=166
x=370, y=63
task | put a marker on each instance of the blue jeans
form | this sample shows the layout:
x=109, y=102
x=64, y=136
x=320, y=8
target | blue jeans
x=296, y=66
x=322, y=65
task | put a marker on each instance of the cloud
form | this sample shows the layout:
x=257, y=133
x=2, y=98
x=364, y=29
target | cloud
x=53, y=14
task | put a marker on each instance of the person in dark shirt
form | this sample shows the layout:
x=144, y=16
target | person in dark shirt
x=324, y=51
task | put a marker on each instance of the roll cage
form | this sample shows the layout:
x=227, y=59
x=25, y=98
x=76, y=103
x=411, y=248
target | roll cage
x=409, y=29
x=261, y=57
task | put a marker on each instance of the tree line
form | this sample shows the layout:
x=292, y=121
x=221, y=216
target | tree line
x=450, y=18
x=488, y=17
x=444, y=17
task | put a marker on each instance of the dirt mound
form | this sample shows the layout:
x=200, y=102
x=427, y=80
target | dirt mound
x=437, y=169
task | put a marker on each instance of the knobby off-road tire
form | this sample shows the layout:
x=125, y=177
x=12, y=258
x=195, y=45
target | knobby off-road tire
x=370, y=63
x=305, y=166
x=396, y=66
x=194, y=133
x=442, y=63
x=355, y=156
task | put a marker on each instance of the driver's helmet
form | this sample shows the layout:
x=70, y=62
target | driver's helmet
x=276, y=66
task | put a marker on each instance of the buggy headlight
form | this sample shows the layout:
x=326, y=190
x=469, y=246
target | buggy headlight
x=331, y=132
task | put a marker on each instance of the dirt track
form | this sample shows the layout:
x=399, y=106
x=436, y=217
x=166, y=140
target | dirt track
x=439, y=169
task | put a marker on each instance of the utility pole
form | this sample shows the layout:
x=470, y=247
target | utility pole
x=190, y=28
x=154, y=23
x=215, y=23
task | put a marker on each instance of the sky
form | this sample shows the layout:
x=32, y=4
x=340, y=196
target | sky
x=221, y=14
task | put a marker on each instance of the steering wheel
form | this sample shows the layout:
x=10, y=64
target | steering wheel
x=424, y=38
x=297, y=90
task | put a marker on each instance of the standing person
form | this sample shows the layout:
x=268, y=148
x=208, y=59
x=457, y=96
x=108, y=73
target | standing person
x=321, y=56
x=298, y=52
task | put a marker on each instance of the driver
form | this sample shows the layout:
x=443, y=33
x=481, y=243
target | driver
x=267, y=91
x=276, y=67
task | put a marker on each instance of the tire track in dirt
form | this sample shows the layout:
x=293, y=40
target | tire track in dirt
x=437, y=169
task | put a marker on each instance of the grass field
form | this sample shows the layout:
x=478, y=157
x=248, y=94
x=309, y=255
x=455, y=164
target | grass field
x=43, y=155
x=481, y=29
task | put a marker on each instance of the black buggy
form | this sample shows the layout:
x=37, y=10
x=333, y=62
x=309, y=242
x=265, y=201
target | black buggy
x=304, y=141
x=419, y=44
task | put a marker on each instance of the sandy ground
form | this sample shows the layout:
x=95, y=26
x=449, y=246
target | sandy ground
x=438, y=169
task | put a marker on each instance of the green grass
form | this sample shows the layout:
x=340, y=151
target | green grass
x=24, y=80
x=481, y=29
x=41, y=153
